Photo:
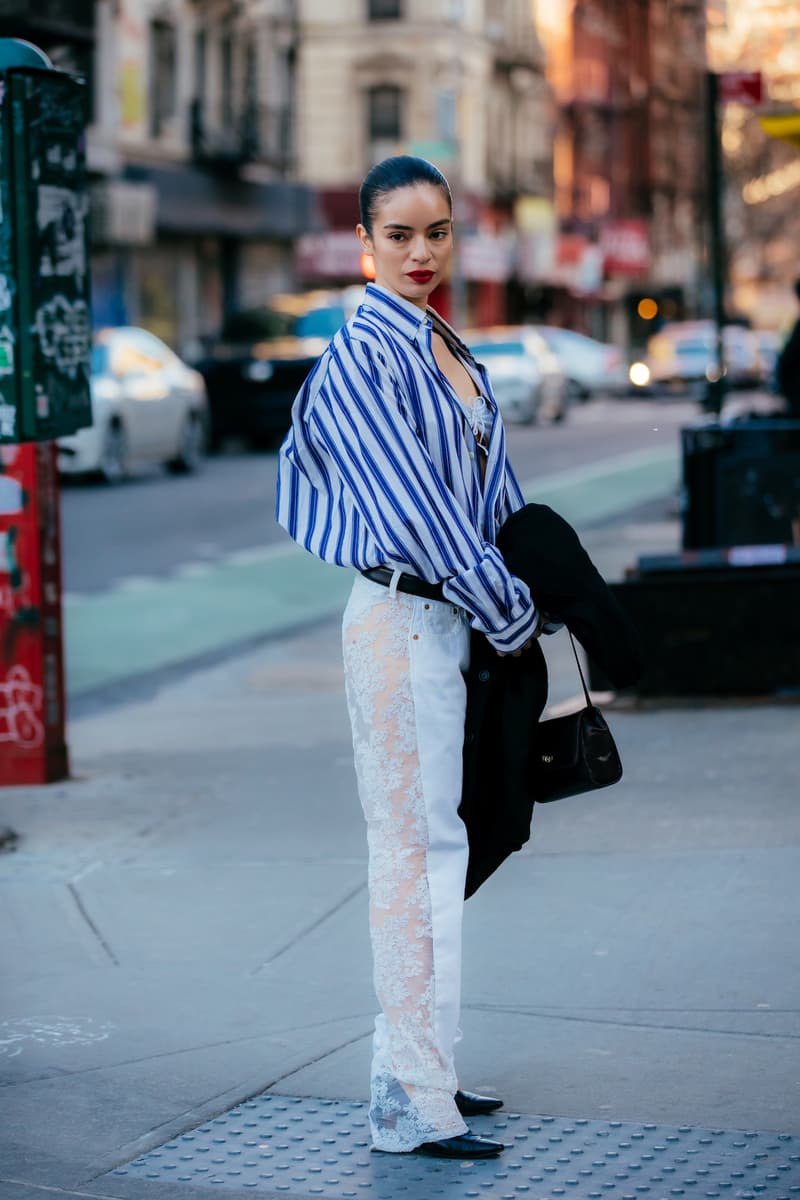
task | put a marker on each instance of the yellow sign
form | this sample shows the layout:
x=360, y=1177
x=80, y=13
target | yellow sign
x=785, y=126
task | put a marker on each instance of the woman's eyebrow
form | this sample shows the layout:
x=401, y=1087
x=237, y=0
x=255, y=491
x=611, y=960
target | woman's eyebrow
x=410, y=228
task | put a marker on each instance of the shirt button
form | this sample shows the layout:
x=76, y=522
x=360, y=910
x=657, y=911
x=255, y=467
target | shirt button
x=472, y=454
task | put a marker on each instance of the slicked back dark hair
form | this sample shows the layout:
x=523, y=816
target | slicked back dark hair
x=403, y=170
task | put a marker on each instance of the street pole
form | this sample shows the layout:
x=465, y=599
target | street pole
x=45, y=348
x=715, y=393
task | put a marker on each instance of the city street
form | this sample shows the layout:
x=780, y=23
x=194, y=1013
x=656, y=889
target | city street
x=155, y=524
x=200, y=200
x=162, y=571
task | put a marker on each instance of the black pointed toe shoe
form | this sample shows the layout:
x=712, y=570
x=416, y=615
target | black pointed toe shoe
x=469, y=1104
x=466, y=1145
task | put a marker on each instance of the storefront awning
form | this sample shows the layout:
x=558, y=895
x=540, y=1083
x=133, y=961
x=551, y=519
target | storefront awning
x=195, y=202
x=785, y=126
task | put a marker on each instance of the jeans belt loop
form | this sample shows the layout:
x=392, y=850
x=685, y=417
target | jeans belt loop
x=393, y=583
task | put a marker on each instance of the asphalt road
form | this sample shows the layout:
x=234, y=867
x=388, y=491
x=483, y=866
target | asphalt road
x=163, y=573
x=155, y=524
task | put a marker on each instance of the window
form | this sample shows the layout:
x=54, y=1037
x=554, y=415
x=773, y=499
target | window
x=384, y=10
x=162, y=75
x=226, y=80
x=384, y=113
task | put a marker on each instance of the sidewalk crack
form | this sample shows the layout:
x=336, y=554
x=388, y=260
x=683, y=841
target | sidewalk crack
x=303, y=933
x=621, y=1023
x=81, y=907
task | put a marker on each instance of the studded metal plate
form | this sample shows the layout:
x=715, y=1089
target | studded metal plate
x=321, y=1148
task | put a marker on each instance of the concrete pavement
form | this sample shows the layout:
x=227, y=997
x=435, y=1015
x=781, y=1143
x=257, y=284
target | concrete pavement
x=184, y=924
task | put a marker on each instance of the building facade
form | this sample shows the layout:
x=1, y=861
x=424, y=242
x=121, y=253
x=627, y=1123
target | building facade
x=460, y=82
x=630, y=186
x=762, y=189
x=195, y=109
x=190, y=147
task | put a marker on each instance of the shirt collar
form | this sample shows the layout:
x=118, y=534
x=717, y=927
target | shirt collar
x=403, y=316
x=408, y=319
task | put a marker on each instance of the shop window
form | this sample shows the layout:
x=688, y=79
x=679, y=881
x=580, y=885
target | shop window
x=384, y=10
x=163, y=72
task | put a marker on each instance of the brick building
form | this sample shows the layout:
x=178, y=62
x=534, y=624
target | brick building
x=629, y=78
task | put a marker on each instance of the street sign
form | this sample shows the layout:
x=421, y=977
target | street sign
x=741, y=87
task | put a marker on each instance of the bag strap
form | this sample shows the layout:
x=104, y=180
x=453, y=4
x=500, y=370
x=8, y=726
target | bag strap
x=580, y=672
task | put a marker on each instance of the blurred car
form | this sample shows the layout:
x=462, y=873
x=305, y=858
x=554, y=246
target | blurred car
x=591, y=367
x=769, y=348
x=527, y=380
x=148, y=407
x=683, y=354
x=256, y=367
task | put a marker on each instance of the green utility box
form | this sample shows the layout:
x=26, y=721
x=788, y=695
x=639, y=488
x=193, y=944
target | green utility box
x=45, y=327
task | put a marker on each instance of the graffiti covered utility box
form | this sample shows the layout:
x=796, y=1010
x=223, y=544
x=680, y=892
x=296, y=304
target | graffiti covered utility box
x=32, y=747
x=45, y=334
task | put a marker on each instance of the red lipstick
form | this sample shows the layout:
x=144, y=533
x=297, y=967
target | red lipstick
x=420, y=276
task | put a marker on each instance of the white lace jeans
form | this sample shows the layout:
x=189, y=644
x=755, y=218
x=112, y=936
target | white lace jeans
x=403, y=660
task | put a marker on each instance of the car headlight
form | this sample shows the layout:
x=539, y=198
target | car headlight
x=639, y=374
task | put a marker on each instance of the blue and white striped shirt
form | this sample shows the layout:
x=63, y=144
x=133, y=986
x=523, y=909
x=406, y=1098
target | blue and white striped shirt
x=380, y=467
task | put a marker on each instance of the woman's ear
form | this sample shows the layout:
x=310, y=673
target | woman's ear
x=365, y=239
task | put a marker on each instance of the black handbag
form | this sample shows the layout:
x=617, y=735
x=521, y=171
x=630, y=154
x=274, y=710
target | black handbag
x=574, y=753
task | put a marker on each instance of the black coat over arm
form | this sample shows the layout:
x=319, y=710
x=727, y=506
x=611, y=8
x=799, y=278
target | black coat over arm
x=506, y=696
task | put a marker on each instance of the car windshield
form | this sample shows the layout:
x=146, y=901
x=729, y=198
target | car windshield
x=100, y=359
x=565, y=339
x=696, y=347
x=320, y=322
x=265, y=324
x=495, y=349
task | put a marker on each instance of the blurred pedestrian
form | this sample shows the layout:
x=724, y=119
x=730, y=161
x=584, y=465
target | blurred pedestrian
x=789, y=367
x=396, y=465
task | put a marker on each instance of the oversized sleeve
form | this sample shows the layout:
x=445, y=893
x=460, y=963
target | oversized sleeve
x=358, y=416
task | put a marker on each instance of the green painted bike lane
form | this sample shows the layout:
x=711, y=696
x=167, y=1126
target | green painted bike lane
x=148, y=625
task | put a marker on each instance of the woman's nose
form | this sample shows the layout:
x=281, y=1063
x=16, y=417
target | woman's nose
x=420, y=250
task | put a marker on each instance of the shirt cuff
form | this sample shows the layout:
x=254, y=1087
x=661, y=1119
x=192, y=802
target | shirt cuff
x=514, y=636
x=499, y=604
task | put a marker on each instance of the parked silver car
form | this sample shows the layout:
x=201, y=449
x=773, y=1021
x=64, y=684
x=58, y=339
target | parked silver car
x=147, y=405
x=527, y=380
x=592, y=368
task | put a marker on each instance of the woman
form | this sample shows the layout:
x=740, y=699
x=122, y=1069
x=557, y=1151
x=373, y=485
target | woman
x=395, y=465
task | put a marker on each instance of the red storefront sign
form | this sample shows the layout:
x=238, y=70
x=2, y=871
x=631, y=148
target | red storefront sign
x=740, y=87
x=625, y=246
x=32, y=742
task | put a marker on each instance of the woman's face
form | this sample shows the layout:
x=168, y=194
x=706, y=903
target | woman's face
x=411, y=242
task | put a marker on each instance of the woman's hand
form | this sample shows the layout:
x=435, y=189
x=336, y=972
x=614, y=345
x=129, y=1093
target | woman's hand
x=541, y=621
x=516, y=653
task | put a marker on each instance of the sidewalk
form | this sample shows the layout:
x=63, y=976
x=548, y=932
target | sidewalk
x=184, y=926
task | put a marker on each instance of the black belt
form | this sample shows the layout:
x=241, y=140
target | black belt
x=405, y=583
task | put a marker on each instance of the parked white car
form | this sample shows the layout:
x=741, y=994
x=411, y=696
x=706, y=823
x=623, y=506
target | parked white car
x=147, y=405
x=683, y=354
x=591, y=367
x=527, y=380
